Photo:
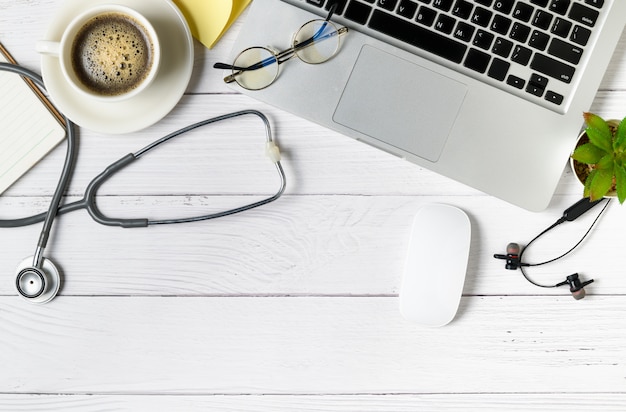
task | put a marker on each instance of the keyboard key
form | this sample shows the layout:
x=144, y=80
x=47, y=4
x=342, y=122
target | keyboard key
x=584, y=15
x=553, y=68
x=501, y=24
x=580, y=35
x=445, y=24
x=542, y=19
x=499, y=69
x=462, y=9
x=407, y=9
x=540, y=3
x=539, y=80
x=554, y=97
x=523, y=12
x=539, y=40
x=426, y=16
x=561, y=27
x=534, y=90
x=318, y=3
x=560, y=6
x=481, y=16
x=418, y=36
x=341, y=5
x=483, y=39
x=520, y=32
x=502, y=47
x=464, y=31
x=515, y=82
x=521, y=55
x=485, y=2
x=444, y=5
x=358, y=12
x=504, y=6
x=595, y=3
x=477, y=60
x=388, y=4
x=565, y=51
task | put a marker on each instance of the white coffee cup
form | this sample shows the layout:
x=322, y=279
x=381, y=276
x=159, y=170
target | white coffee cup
x=109, y=77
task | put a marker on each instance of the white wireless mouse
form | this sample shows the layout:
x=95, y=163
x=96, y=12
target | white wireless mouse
x=436, y=263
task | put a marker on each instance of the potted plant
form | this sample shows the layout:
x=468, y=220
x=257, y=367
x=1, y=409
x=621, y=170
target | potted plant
x=599, y=160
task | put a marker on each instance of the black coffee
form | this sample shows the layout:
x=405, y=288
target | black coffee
x=112, y=54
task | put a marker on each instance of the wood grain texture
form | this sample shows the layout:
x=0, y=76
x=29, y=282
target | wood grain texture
x=293, y=306
x=304, y=245
x=309, y=345
x=484, y=402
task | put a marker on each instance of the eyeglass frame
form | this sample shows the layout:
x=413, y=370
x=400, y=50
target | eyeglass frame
x=285, y=55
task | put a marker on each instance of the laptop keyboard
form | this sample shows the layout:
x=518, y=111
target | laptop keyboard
x=531, y=48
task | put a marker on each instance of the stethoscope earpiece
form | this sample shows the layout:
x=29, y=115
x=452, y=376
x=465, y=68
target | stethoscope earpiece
x=37, y=285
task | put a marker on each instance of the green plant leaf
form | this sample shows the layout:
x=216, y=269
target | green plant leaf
x=587, y=190
x=606, y=163
x=601, y=139
x=588, y=153
x=620, y=183
x=620, y=136
x=596, y=122
x=600, y=184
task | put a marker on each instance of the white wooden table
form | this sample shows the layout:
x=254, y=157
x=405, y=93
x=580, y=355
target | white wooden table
x=293, y=306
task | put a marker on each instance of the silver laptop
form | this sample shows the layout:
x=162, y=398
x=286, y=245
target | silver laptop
x=489, y=93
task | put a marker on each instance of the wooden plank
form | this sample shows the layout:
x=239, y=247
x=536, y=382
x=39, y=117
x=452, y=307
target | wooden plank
x=291, y=345
x=570, y=402
x=319, y=245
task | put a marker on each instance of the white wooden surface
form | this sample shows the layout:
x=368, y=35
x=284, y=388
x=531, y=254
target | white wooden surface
x=293, y=307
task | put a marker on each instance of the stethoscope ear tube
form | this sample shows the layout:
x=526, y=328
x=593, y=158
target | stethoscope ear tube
x=90, y=196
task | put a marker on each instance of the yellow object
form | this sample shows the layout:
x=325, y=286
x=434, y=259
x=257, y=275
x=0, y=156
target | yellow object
x=209, y=19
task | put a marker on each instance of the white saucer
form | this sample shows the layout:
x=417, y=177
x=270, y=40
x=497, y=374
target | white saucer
x=149, y=106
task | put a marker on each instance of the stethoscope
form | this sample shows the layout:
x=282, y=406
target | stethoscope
x=38, y=278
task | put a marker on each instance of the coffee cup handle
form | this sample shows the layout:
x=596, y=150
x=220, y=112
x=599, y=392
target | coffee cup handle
x=51, y=48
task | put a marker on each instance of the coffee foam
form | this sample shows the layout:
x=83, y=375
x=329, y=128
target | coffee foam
x=112, y=54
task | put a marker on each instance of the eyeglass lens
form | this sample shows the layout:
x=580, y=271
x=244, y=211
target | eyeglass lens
x=257, y=67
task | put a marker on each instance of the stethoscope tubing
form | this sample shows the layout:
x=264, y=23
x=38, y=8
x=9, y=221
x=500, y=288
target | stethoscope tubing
x=66, y=173
x=42, y=271
x=88, y=202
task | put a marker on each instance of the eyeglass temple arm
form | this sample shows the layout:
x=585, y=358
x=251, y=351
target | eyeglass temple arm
x=231, y=78
x=282, y=56
x=279, y=58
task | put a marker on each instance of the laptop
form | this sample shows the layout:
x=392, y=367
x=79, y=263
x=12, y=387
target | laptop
x=488, y=93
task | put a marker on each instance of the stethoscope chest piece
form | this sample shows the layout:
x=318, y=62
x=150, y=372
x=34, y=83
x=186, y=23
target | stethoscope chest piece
x=37, y=285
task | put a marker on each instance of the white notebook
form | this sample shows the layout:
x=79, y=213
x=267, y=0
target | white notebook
x=28, y=128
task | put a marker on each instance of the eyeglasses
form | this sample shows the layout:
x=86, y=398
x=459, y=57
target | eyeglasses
x=257, y=67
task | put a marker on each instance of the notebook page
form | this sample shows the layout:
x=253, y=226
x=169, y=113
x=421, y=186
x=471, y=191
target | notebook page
x=28, y=130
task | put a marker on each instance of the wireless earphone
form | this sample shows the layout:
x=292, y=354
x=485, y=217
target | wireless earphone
x=514, y=252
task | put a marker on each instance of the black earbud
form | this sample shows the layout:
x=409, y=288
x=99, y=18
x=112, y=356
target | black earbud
x=512, y=256
x=576, y=287
x=513, y=262
x=514, y=252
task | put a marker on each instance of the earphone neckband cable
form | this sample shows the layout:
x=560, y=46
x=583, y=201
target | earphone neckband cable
x=562, y=219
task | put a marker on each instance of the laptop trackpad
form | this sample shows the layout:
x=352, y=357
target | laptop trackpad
x=400, y=103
